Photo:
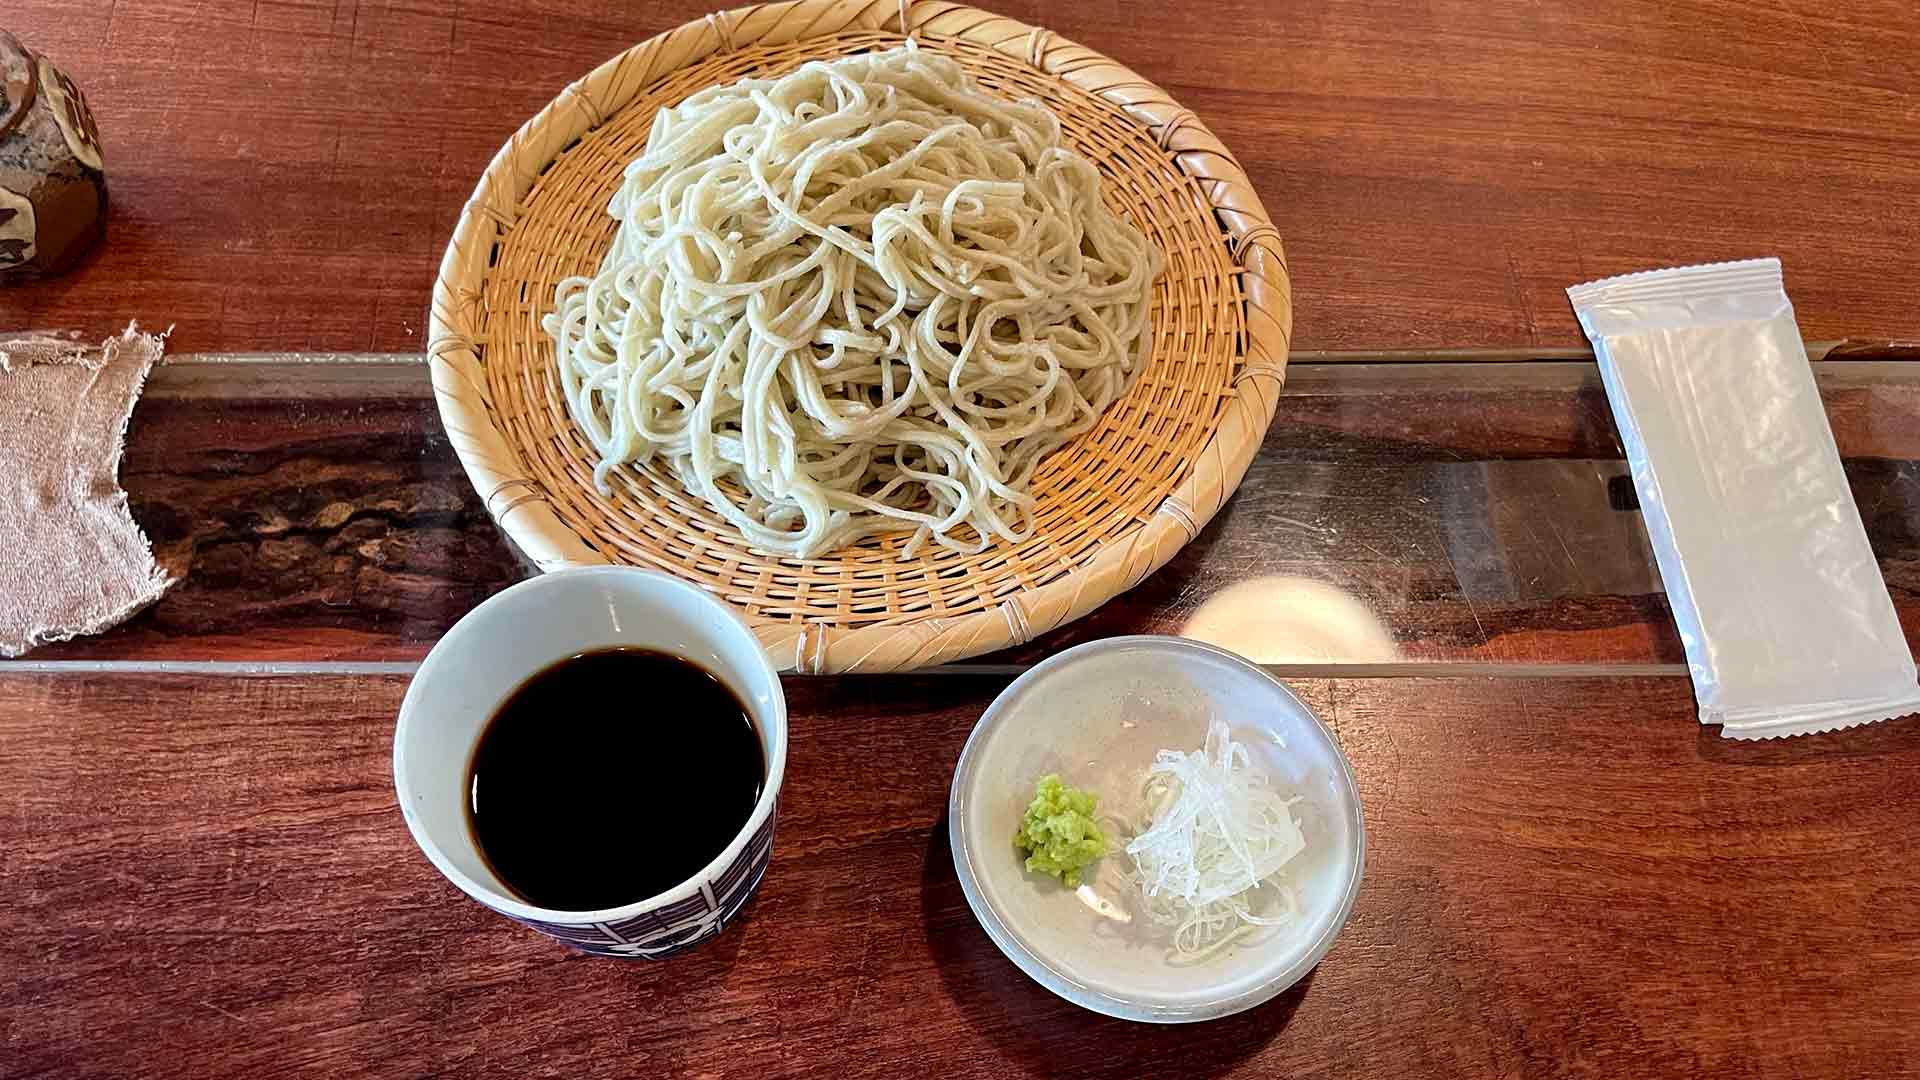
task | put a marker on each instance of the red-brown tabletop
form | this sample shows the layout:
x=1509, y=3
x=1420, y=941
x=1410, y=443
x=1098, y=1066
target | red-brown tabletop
x=203, y=870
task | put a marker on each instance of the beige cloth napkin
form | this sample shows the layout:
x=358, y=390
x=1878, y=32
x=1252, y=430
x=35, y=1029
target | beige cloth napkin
x=72, y=561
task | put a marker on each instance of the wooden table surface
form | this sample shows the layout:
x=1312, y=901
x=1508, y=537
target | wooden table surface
x=211, y=880
x=286, y=172
x=202, y=868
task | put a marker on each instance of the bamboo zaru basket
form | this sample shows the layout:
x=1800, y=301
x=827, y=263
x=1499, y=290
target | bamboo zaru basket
x=1112, y=506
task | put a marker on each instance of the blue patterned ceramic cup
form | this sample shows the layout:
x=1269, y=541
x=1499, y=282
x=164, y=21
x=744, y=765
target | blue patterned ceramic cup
x=522, y=630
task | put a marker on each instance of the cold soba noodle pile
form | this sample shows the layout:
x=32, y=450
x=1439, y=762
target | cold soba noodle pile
x=858, y=298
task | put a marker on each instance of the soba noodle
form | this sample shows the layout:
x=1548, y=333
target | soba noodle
x=855, y=299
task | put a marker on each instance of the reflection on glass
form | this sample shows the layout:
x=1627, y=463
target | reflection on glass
x=1290, y=620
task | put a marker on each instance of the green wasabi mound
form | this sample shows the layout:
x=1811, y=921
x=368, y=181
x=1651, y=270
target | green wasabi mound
x=1058, y=833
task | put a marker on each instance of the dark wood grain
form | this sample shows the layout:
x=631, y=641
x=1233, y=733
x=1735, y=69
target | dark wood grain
x=1476, y=513
x=310, y=518
x=1564, y=878
x=285, y=173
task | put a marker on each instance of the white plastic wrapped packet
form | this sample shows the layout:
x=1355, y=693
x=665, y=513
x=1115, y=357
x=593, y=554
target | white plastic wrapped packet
x=1785, y=618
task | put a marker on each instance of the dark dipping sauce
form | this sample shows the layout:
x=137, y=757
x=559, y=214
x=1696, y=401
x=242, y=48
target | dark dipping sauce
x=610, y=777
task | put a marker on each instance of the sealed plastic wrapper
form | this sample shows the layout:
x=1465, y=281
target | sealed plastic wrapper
x=1785, y=618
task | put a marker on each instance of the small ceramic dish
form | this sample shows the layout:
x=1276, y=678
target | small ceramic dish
x=1096, y=714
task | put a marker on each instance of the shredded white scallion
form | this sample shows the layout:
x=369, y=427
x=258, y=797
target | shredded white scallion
x=1217, y=833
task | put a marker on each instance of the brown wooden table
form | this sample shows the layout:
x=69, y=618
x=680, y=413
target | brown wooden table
x=201, y=867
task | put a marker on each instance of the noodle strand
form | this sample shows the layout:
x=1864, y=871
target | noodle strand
x=861, y=297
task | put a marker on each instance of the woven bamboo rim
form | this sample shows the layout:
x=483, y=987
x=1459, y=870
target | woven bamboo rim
x=1113, y=506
